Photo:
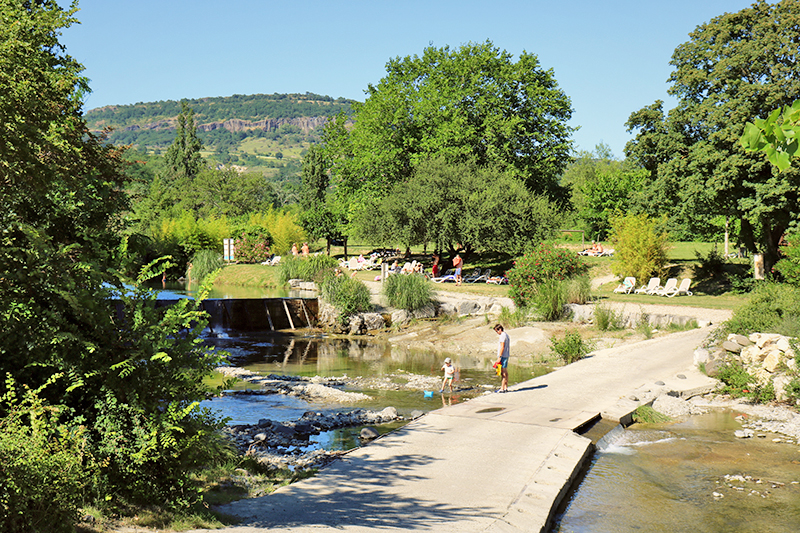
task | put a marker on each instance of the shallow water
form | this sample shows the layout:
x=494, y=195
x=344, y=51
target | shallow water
x=319, y=355
x=663, y=478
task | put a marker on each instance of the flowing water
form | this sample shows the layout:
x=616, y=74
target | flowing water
x=672, y=478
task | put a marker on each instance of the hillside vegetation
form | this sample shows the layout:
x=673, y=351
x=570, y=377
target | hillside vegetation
x=263, y=132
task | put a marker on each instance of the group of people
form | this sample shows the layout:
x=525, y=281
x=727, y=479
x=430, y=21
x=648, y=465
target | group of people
x=458, y=265
x=595, y=251
x=503, y=354
x=303, y=250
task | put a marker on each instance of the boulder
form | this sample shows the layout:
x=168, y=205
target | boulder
x=401, y=317
x=732, y=346
x=447, y=309
x=496, y=309
x=469, y=307
x=772, y=360
x=389, y=413
x=701, y=356
x=373, y=321
x=369, y=433
x=779, y=383
x=416, y=413
x=356, y=325
x=429, y=311
x=783, y=344
x=741, y=340
x=767, y=338
x=713, y=366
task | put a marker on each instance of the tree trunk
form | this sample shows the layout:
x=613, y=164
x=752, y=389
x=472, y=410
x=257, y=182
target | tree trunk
x=772, y=236
x=345, y=249
x=328, y=241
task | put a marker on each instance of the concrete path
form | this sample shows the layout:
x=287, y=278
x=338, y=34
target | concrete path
x=497, y=463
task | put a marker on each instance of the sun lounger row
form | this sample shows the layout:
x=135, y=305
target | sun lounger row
x=477, y=276
x=628, y=286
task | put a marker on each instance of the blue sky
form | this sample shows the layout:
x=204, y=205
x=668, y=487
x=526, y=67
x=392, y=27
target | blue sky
x=611, y=58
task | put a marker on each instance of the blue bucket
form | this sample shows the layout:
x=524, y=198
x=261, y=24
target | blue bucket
x=428, y=393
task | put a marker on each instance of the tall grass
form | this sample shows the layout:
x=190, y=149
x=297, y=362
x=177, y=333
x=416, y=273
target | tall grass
x=409, y=292
x=348, y=295
x=549, y=299
x=606, y=319
x=204, y=263
x=514, y=319
x=313, y=268
x=571, y=348
x=578, y=290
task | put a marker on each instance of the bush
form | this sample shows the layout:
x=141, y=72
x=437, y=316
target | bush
x=772, y=308
x=571, y=348
x=789, y=266
x=42, y=475
x=641, y=248
x=739, y=383
x=513, y=319
x=347, y=295
x=540, y=264
x=409, y=292
x=606, y=319
x=204, y=263
x=252, y=246
x=313, y=268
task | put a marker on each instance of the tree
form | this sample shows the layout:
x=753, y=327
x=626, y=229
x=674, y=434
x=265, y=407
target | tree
x=461, y=206
x=128, y=378
x=472, y=102
x=183, y=156
x=318, y=216
x=778, y=136
x=735, y=68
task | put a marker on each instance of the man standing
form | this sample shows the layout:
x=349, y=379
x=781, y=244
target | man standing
x=458, y=264
x=503, y=353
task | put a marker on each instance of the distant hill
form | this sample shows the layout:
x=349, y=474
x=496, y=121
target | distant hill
x=262, y=132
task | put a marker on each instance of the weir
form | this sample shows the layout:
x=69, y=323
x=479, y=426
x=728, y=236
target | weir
x=260, y=314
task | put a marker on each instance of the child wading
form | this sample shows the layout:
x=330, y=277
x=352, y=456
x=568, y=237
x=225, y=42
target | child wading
x=449, y=374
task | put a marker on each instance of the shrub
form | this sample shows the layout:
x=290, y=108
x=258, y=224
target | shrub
x=347, y=295
x=204, y=263
x=736, y=379
x=606, y=319
x=253, y=246
x=772, y=308
x=42, y=476
x=793, y=389
x=710, y=267
x=571, y=348
x=541, y=263
x=643, y=326
x=409, y=292
x=641, y=248
x=789, y=266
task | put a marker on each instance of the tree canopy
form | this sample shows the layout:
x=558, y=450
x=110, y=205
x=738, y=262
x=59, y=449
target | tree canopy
x=473, y=102
x=735, y=68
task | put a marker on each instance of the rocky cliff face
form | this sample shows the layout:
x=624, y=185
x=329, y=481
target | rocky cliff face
x=306, y=124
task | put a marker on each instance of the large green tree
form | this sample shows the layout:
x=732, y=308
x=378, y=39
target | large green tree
x=735, y=68
x=474, y=102
x=461, y=205
x=129, y=376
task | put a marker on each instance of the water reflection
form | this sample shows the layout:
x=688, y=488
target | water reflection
x=664, y=478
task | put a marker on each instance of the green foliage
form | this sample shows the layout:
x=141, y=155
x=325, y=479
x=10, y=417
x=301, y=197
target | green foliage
x=43, y=464
x=606, y=319
x=513, y=319
x=469, y=102
x=448, y=203
x=644, y=414
x=571, y=348
x=641, y=248
x=188, y=235
x=183, y=156
x=771, y=308
x=578, y=290
x=549, y=299
x=348, y=295
x=312, y=268
x=252, y=245
x=608, y=195
x=777, y=135
x=789, y=266
x=409, y=292
x=541, y=263
x=643, y=326
x=739, y=383
x=732, y=70
x=204, y=263
x=793, y=390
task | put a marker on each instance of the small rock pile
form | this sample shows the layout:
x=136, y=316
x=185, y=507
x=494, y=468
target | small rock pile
x=766, y=356
x=286, y=444
x=316, y=388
